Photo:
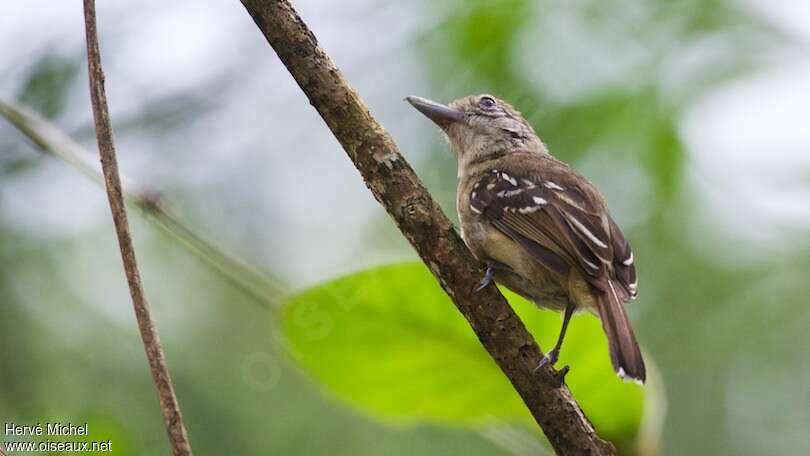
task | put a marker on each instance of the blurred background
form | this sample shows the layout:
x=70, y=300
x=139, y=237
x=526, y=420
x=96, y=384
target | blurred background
x=690, y=115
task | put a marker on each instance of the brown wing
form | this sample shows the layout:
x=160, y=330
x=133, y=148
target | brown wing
x=557, y=216
x=624, y=262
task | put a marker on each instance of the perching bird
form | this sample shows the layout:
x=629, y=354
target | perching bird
x=542, y=230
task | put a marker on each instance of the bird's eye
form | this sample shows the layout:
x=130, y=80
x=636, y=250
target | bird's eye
x=487, y=102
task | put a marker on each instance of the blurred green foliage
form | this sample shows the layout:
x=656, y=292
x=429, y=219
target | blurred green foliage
x=725, y=322
x=631, y=122
x=238, y=392
x=47, y=86
x=388, y=340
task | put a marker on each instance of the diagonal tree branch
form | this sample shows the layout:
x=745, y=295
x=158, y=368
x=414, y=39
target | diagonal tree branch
x=151, y=342
x=395, y=185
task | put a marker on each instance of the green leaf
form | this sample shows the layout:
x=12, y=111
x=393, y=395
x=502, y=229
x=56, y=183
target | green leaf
x=390, y=342
x=48, y=85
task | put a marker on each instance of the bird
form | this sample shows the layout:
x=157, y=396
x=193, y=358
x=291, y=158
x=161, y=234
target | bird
x=540, y=228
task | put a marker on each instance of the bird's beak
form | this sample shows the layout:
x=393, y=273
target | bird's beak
x=441, y=115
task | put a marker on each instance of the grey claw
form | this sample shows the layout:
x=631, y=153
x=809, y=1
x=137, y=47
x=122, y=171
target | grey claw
x=486, y=280
x=550, y=358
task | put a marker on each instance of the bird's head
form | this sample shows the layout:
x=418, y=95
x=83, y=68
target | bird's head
x=480, y=126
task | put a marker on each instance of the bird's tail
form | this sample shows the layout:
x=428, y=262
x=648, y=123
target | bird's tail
x=624, y=352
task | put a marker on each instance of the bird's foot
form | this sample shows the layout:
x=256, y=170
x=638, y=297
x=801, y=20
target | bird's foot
x=550, y=359
x=488, y=276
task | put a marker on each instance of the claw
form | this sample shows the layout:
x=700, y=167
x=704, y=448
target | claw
x=486, y=280
x=550, y=359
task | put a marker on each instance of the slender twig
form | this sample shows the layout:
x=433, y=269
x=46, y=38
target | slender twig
x=263, y=288
x=420, y=219
x=178, y=436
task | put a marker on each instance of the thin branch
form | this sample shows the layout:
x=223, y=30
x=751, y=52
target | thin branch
x=395, y=185
x=178, y=436
x=264, y=289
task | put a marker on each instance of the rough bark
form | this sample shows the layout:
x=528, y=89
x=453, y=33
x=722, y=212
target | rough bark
x=154, y=351
x=395, y=185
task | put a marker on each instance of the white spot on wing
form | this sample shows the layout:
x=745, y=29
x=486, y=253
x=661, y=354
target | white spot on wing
x=528, y=209
x=474, y=209
x=623, y=375
x=552, y=185
x=539, y=200
x=564, y=197
x=509, y=193
x=591, y=265
x=585, y=231
x=509, y=179
x=628, y=261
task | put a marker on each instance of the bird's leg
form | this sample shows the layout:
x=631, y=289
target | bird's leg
x=492, y=265
x=551, y=357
